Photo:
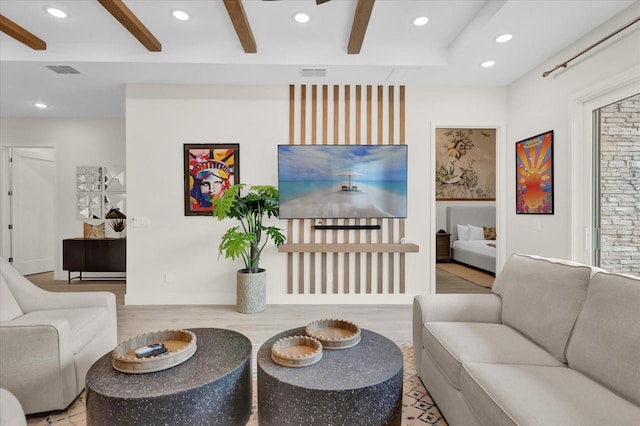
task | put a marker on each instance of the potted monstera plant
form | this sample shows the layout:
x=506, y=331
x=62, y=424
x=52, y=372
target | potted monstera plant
x=249, y=238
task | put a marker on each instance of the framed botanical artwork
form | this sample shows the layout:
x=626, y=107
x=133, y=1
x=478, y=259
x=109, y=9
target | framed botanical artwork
x=209, y=170
x=534, y=174
x=466, y=164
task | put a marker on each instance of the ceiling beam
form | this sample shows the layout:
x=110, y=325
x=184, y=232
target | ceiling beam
x=14, y=30
x=125, y=16
x=359, y=27
x=241, y=24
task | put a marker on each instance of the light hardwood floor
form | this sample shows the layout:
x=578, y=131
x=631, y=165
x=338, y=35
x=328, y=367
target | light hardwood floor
x=392, y=321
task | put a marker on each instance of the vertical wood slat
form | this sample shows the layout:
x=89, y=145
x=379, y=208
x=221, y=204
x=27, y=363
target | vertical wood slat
x=390, y=226
x=336, y=140
x=358, y=267
x=369, y=278
x=312, y=237
x=347, y=141
x=391, y=234
x=325, y=135
x=380, y=140
x=292, y=109
x=401, y=118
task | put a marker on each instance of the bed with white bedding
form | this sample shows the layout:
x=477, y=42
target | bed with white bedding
x=468, y=246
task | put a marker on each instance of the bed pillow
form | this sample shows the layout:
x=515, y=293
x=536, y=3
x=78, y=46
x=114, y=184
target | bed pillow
x=463, y=232
x=489, y=232
x=475, y=233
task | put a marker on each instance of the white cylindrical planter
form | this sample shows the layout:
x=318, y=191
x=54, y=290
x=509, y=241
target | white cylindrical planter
x=251, y=291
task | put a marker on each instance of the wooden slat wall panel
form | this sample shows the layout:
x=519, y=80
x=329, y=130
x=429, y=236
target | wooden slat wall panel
x=346, y=115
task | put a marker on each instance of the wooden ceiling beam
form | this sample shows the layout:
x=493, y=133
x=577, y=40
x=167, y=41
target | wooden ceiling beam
x=14, y=30
x=359, y=27
x=241, y=24
x=126, y=17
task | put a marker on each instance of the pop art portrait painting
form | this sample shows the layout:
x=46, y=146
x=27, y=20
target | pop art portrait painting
x=209, y=170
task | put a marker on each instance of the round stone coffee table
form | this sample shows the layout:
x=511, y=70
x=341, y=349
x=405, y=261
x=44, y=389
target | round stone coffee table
x=213, y=387
x=361, y=385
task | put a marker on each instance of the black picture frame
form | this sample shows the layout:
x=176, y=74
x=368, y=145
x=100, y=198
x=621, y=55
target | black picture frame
x=209, y=170
x=534, y=174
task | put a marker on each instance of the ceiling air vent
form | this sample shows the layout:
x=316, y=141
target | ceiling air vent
x=313, y=72
x=63, y=69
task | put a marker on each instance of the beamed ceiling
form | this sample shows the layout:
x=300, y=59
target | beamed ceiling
x=112, y=43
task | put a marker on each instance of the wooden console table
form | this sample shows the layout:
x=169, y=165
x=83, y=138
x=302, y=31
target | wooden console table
x=94, y=255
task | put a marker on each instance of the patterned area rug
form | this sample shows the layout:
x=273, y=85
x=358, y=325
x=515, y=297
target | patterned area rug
x=417, y=406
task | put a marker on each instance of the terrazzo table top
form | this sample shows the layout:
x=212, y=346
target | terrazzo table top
x=213, y=387
x=361, y=385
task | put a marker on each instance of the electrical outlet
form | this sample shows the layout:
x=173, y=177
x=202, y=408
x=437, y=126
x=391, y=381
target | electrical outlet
x=168, y=277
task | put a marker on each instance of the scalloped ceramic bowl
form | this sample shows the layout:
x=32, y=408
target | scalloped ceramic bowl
x=296, y=351
x=334, y=333
x=181, y=345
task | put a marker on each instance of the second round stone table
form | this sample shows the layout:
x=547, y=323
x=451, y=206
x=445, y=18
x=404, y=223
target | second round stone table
x=361, y=385
x=213, y=387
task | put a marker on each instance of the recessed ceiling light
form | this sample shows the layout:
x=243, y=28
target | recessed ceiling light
x=504, y=38
x=303, y=18
x=40, y=105
x=420, y=21
x=180, y=15
x=488, y=64
x=56, y=12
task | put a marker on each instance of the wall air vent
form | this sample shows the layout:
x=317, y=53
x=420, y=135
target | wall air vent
x=313, y=72
x=63, y=69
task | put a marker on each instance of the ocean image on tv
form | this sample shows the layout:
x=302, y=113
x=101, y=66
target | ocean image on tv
x=342, y=181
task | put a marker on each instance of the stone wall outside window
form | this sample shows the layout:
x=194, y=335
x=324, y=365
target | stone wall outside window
x=620, y=186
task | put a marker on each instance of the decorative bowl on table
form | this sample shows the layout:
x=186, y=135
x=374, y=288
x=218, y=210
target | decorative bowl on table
x=334, y=333
x=180, y=345
x=296, y=351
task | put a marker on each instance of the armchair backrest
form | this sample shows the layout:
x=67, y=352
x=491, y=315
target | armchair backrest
x=23, y=291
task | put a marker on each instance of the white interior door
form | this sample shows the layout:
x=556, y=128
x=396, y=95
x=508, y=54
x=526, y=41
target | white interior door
x=32, y=206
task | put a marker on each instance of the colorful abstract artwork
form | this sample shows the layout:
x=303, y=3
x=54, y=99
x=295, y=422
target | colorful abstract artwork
x=209, y=170
x=534, y=174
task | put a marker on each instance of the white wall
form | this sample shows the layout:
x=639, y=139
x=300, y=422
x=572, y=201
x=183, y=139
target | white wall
x=538, y=104
x=77, y=142
x=160, y=119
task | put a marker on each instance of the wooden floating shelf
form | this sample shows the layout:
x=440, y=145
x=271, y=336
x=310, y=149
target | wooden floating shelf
x=349, y=248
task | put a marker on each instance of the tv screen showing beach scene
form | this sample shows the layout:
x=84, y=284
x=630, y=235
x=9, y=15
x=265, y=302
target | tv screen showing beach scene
x=342, y=181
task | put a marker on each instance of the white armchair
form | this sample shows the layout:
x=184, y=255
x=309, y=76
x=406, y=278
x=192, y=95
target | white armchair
x=48, y=340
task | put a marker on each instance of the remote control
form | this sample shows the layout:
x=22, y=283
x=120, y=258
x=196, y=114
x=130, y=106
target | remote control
x=150, y=350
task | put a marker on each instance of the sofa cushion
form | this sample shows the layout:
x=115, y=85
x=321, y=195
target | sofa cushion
x=9, y=308
x=504, y=394
x=541, y=298
x=452, y=343
x=85, y=323
x=605, y=344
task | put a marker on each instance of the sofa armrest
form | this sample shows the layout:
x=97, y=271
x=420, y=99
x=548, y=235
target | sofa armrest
x=457, y=308
x=71, y=300
x=451, y=308
x=31, y=352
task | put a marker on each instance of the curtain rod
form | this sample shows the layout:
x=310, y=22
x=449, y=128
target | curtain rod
x=564, y=64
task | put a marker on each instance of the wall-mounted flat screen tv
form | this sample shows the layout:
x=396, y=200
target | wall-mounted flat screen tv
x=342, y=181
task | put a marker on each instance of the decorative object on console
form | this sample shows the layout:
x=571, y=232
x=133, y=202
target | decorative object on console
x=248, y=241
x=94, y=231
x=534, y=174
x=209, y=171
x=466, y=164
x=117, y=221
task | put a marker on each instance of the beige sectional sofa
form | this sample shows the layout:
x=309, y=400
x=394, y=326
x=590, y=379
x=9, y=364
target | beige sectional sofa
x=556, y=343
